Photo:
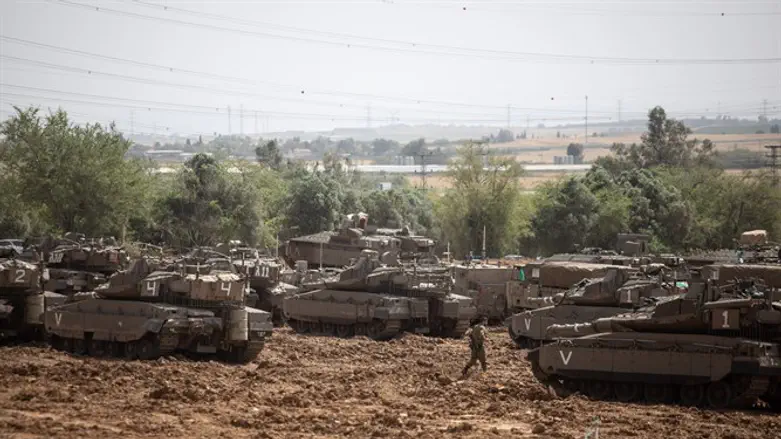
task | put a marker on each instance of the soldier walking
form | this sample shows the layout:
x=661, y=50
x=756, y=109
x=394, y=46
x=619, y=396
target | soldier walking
x=477, y=335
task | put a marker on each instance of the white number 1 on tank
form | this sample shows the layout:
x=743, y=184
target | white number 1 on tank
x=725, y=314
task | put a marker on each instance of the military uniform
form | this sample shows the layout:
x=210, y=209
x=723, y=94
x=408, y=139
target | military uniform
x=477, y=336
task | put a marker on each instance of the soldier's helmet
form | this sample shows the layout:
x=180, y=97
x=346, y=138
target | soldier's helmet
x=484, y=321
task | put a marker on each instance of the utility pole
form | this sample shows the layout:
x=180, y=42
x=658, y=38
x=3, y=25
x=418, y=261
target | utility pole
x=256, y=124
x=229, y=120
x=484, y=243
x=586, y=139
x=132, y=123
x=241, y=119
x=773, y=155
x=619, y=111
x=508, y=116
x=764, y=108
x=369, y=116
x=423, y=171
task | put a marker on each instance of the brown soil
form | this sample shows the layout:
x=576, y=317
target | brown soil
x=305, y=386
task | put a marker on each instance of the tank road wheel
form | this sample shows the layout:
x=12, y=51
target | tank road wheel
x=327, y=328
x=59, y=343
x=78, y=346
x=114, y=349
x=600, y=390
x=658, y=393
x=374, y=329
x=627, y=392
x=718, y=395
x=359, y=328
x=147, y=349
x=692, y=395
x=344, y=331
x=97, y=348
x=131, y=350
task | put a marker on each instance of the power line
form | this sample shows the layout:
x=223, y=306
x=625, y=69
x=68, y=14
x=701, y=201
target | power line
x=416, y=47
x=211, y=111
x=115, y=76
x=244, y=81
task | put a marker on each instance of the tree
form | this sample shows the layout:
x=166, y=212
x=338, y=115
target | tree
x=504, y=136
x=480, y=197
x=268, y=154
x=566, y=213
x=207, y=205
x=385, y=147
x=63, y=177
x=665, y=143
x=575, y=150
x=314, y=203
x=415, y=147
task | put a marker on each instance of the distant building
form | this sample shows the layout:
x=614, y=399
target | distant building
x=385, y=186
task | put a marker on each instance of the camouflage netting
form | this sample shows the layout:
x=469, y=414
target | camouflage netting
x=565, y=275
x=770, y=274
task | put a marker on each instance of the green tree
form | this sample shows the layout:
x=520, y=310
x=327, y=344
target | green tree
x=269, y=155
x=481, y=197
x=665, y=143
x=208, y=205
x=566, y=213
x=66, y=177
x=575, y=150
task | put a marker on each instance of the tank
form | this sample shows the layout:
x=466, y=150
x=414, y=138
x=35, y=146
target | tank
x=76, y=264
x=488, y=285
x=727, y=273
x=144, y=313
x=22, y=299
x=336, y=249
x=534, y=283
x=265, y=279
x=718, y=347
x=380, y=301
x=618, y=290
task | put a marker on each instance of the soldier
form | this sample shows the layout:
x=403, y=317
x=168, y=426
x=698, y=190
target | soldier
x=477, y=337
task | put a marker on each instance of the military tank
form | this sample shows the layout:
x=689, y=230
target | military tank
x=22, y=299
x=265, y=278
x=618, y=290
x=75, y=263
x=144, y=313
x=488, y=285
x=718, y=347
x=535, y=283
x=380, y=301
x=335, y=249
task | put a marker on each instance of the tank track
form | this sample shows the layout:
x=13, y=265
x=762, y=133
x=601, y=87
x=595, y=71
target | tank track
x=737, y=392
x=376, y=330
x=459, y=330
x=242, y=354
x=525, y=342
x=148, y=348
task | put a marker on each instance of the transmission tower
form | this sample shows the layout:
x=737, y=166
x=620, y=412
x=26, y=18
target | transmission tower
x=773, y=155
x=423, y=171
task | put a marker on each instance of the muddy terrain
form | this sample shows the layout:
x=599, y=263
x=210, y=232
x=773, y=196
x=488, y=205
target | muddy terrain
x=326, y=387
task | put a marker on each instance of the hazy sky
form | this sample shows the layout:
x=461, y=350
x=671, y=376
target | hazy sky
x=407, y=61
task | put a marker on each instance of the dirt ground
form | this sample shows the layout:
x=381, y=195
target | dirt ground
x=304, y=386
